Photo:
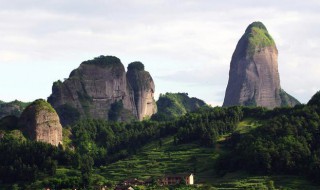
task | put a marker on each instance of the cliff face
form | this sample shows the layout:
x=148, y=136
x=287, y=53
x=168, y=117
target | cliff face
x=93, y=89
x=253, y=77
x=143, y=88
x=12, y=108
x=40, y=122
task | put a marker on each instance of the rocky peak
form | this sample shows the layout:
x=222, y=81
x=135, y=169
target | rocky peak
x=143, y=88
x=40, y=122
x=97, y=87
x=253, y=77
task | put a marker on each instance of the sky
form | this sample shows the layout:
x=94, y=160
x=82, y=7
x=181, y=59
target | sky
x=186, y=45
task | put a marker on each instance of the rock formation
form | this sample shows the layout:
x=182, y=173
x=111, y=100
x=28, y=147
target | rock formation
x=93, y=89
x=40, y=122
x=143, y=88
x=12, y=108
x=253, y=77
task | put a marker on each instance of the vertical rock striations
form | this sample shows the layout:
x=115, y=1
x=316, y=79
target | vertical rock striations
x=143, y=88
x=99, y=89
x=40, y=122
x=253, y=77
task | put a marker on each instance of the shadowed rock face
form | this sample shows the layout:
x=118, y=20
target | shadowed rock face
x=40, y=122
x=12, y=108
x=143, y=88
x=253, y=77
x=92, y=89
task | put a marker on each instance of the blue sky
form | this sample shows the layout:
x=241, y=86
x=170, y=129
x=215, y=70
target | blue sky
x=185, y=45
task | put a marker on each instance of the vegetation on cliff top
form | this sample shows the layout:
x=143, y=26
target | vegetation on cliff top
x=138, y=77
x=137, y=65
x=104, y=61
x=39, y=105
x=257, y=37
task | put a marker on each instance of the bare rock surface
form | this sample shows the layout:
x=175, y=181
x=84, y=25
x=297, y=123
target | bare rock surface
x=143, y=88
x=93, y=88
x=40, y=122
x=254, y=77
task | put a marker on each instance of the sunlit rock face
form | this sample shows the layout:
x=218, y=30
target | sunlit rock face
x=40, y=122
x=253, y=77
x=143, y=88
x=96, y=85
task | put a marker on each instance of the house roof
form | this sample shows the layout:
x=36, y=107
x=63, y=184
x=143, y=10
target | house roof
x=178, y=175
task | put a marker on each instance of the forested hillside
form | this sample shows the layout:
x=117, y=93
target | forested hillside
x=172, y=105
x=283, y=141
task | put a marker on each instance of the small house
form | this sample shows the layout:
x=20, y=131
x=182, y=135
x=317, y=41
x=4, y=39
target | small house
x=173, y=179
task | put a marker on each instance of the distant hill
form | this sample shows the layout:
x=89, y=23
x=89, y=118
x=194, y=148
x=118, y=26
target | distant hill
x=12, y=108
x=172, y=105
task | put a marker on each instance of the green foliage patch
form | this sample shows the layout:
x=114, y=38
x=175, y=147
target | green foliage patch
x=104, y=61
x=258, y=37
x=137, y=65
x=173, y=105
x=41, y=104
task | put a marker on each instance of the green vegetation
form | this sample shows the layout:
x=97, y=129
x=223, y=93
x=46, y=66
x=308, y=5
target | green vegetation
x=247, y=124
x=226, y=148
x=315, y=100
x=25, y=161
x=161, y=157
x=68, y=114
x=173, y=105
x=285, y=143
x=12, y=108
x=56, y=84
x=287, y=99
x=115, y=111
x=85, y=101
x=137, y=65
x=256, y=37
x=138, y=78
x=66, y=137
x=104, y=61
x=9, y=122
x=41, y=104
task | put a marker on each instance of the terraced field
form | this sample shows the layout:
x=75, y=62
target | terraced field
x=155, y=161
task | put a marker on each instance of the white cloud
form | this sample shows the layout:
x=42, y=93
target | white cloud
x=186, y=46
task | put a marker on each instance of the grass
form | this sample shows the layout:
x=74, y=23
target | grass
x=258, y=38
x=247, y=125
x=66, y=137
x=155, y=161
x=242, y=180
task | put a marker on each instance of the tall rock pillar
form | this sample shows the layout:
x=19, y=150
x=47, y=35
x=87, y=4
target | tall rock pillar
x=253, y=77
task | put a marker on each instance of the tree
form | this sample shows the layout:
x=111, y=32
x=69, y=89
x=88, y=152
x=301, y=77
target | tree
x=86, y=166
